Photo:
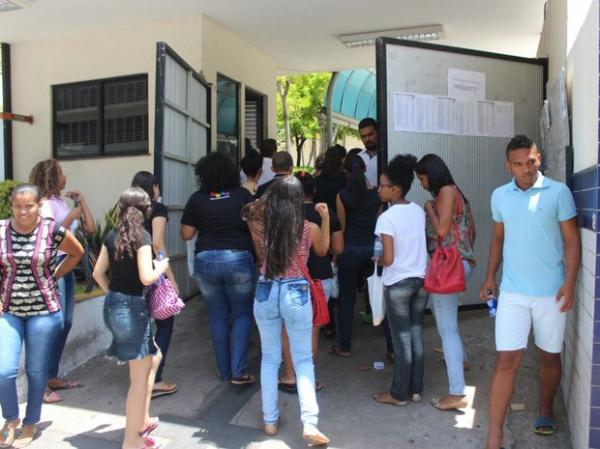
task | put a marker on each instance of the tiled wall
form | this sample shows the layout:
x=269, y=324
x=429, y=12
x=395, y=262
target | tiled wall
x=581, y=369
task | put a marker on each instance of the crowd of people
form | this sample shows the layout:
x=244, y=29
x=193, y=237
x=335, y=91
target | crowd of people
x=257, y=232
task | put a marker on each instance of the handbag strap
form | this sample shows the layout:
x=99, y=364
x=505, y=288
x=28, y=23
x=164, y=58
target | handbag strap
x=304, y=269
x=459, y=211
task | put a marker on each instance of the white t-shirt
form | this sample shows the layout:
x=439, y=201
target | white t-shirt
x=371, y=164
x=405, y=223
x=267, y=173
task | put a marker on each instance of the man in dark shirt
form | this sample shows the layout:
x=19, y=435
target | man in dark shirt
x=282, y=166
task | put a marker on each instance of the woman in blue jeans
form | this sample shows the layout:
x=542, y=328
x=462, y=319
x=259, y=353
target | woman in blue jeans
x=30, y=306
x=127, y=253
x=401, y=229
x=50, y=179
x=283, y=240
x=224, y=265
x=448, y=211
x=156, y=225
x=357, y=207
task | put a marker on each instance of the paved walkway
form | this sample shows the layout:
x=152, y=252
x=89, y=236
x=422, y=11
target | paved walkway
x=207, y=413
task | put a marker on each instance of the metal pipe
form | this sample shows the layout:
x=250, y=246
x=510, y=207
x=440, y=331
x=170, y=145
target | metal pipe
x=329, y=110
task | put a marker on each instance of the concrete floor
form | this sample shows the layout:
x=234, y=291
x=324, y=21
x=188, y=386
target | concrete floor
x=206, y=413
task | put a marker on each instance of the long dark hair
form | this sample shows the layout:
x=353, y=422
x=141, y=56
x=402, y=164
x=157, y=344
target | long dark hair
x=145, y=181
x=216, y=173
x=357, y=181
x=279, y=215
x=133, y=207
x=438, y=174
x=333, y=160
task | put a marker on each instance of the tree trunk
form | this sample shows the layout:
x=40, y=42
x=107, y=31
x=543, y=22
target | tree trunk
x=299, y=144
x=283, y=91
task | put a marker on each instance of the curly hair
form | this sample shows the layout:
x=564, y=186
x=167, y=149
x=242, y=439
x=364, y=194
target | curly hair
x=134, y=204
x=279, y=217
x=400, y=171
x=46, y=176
x=216, y=172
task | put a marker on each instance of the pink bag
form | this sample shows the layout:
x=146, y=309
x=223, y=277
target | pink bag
x=163, y=301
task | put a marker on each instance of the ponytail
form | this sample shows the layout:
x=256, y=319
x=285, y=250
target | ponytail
x=133, y=204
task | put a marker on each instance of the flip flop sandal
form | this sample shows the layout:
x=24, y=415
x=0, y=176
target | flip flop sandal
x=436, y=403
x=9, y=434
x=287, y=387
x=52, y=397
x=545, y=425
x=163, y=391
x=391, y=401
x=25, y=438
x=245, y=379
x=66, y=385
x=334, y=350
x=154, y=422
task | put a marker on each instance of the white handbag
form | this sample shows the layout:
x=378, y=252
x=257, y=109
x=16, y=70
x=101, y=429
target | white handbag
x=375, y=283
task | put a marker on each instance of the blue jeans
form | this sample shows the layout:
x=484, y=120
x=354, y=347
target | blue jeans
x=355, y=260
x=39, y=333
x=286, y=301
x=445, y=311
x=405, y=303
x=66, y=290
x=226, y=279
x=164, y=331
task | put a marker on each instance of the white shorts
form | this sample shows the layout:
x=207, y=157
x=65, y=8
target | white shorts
x=515, y=314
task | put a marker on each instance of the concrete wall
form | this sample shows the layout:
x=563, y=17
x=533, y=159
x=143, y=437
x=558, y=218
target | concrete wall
x=573, y=44
x=227, y=53
x=91, y=55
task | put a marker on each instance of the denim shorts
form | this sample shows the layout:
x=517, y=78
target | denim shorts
x=127, y=318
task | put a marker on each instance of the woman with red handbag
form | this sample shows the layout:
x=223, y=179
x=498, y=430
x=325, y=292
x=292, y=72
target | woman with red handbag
x=449, y=222
x=283, y=239
x=319, y=268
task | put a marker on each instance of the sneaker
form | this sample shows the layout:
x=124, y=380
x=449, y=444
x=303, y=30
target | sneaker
x=416, y=398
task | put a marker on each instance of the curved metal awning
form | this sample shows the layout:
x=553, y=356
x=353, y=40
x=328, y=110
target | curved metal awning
x=351, y=96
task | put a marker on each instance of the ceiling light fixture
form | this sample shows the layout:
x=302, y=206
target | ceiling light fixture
x=422, y=33
x=11, y=5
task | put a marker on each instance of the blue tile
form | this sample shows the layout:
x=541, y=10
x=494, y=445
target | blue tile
x=597, y=306
x=594, y=439
x=595, y=417
x=596, y=375
x=596, y=356
x=597, y=331
x=595, y=396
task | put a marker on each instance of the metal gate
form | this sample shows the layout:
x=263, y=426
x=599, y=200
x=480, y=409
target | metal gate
x=181, y=137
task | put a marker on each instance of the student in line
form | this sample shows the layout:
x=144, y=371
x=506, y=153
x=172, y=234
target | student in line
x=156, y=226
x=449, y=208
x=401, y=229
x=283, y=239
x=127, y=253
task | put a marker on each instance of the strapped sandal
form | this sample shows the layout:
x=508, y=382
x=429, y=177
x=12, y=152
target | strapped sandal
x=64, y=385
x=154, y=422
x=9, y=433
x=52, y=397
x=544, y=425
x=26, y=437
x=245, y=379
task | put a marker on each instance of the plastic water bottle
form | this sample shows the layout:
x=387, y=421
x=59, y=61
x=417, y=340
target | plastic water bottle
x=377, y=248
x=492, y=304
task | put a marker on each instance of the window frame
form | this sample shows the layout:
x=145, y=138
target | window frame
x=100, y=82
x=238, y=112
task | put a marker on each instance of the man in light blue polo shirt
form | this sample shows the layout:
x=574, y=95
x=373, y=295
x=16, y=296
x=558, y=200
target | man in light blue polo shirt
x=535, y=236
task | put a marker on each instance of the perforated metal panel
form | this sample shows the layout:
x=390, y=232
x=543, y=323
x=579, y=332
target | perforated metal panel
x=181, y=138
x=477, y=163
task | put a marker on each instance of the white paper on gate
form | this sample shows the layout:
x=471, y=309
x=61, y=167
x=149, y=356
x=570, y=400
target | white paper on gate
x=191, y=248
x=375, y=284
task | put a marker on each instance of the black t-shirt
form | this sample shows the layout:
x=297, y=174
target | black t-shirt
x=217, y=216
x=124, y=274
x=157, y=210
x=360, y=219
x=327, y=187
x=320, y=266
x=263, y=188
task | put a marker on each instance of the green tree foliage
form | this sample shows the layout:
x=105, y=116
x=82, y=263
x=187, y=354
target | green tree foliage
x=304, y=99
x=6, y=187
